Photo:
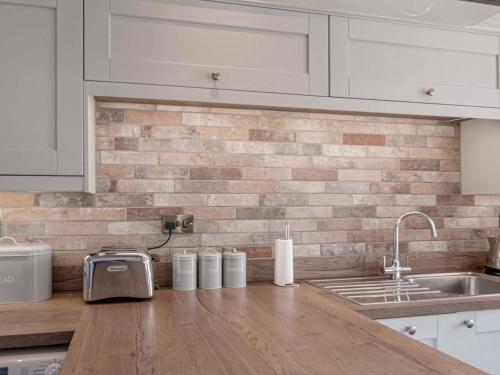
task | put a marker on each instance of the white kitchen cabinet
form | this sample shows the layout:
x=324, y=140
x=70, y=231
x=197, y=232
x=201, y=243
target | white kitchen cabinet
x=206, y=44
x=472, y=336
x=41, y=94
x=383, y=60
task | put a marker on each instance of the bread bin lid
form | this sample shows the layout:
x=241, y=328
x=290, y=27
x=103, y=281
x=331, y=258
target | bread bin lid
x=234, y=254
x=209, y=254
x=10, y=247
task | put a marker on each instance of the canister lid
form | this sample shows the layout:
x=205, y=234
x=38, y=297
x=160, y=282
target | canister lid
x=234, y=254
x=209, y=254
x=184, y=256
x=10, y=247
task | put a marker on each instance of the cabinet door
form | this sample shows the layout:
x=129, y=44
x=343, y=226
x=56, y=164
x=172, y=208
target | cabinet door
x=487, y=341
x=455, y=337
x=391, y=61
x=41, y=91
x=425, y=327
x=206, y=44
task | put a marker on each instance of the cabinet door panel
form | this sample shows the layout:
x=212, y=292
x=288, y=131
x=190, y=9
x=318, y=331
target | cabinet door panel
x=183, y=43
x=454, y=338
x=487, y=341
x=41, y=88
x=390, y=61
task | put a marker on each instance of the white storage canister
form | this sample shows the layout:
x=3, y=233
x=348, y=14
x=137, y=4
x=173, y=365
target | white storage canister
x=184, y=271
x=209, y=269
x=25, y=271
x=234, y=269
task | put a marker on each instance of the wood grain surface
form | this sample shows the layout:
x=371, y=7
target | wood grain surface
x=261, y=329
x=48, y=322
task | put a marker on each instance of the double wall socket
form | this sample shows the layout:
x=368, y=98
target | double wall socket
x=177, y=223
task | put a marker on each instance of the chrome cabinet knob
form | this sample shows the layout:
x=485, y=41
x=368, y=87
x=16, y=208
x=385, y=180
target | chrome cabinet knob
x=430, y=92
x=469, y=323
x=411, y=330
x=216, y=76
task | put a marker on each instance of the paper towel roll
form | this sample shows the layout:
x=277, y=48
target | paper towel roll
x=283, y=262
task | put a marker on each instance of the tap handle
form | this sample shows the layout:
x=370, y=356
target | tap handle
x=385, y=261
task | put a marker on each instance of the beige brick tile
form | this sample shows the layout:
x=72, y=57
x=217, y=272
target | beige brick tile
x=134, y=227
x=345, y=150
x=364, y=139
x=347, y=187
x=373, y=199
x=23, y=229
x=145, y=186
x=301, y=187
x=16, y=199
x=415, y=200
x=420, y=165
x=175, y=159
x=220, y=120
x=398, y=129
x=205, y=173
x=117, y=130
x=76, y=228
x=160, y=172
x=283, y=200
x=95, y=214
x=377, y=163
x=298, y=149
x=114, y=171
x=129, y=157
x=449, y=165
x=339, y=224
x=441, y=176
x=329, y=199
x=394, y=212
x=319, y=137
x=296, y=225
x=180, y=200
x=443, y=142
x=359, y=175
x=253, y=186
x=432, y=153
x=226, y=239
x=254, y=213
x=435, y=188
x=377, y=223
x=287, y=161
x=266, y=174
x=233, y=200
x=242, y=226
x=323, y=237
x=192, y=186
x=437, y=130
x=390, y=188
x=236, y=147
x=104, y=143
x=264, y=135
x=150, y=213
x=124, y=200
x=403, y=176
x=487, y=200
x=471, y=222
x=309, y=174
x=134, y=116
x=308, y=250
x=238, y=160
x=34, y=214
x=64, y=199
x=309, y=212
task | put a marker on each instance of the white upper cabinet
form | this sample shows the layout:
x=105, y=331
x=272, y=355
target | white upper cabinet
x=207, y=45
x=41, y=90
x=383, y=60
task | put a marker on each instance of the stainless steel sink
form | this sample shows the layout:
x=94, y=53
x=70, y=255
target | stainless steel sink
x=376, y=290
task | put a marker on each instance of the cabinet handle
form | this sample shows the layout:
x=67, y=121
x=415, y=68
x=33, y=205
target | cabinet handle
x=469, y=323
x=216, y=76
x=430, y=92
x=411, y=330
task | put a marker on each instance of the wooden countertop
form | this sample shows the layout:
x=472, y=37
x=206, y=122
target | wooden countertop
x=49, y=322
x=262, y=329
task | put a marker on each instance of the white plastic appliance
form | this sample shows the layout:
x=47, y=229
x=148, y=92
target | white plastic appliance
x=32, y=361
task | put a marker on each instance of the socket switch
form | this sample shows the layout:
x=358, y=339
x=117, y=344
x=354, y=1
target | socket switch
x=177, y=223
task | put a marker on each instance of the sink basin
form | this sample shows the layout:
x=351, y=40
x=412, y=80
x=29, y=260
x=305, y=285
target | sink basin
x=382, y=289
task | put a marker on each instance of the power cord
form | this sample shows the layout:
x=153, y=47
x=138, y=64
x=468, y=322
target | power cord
x=170, y=227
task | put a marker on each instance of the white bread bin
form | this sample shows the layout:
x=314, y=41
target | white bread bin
x=25, y=271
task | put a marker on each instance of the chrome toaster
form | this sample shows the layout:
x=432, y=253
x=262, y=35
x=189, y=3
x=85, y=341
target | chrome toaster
x=118, y=272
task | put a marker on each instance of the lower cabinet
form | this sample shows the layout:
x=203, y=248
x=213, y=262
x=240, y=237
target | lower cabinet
x=472, y=336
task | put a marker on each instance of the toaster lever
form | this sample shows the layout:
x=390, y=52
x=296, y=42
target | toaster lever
x=155, y=257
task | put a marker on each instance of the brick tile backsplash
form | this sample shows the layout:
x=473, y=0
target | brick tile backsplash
x=339, y=180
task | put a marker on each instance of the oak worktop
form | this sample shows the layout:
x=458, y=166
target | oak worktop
x=262, y=329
